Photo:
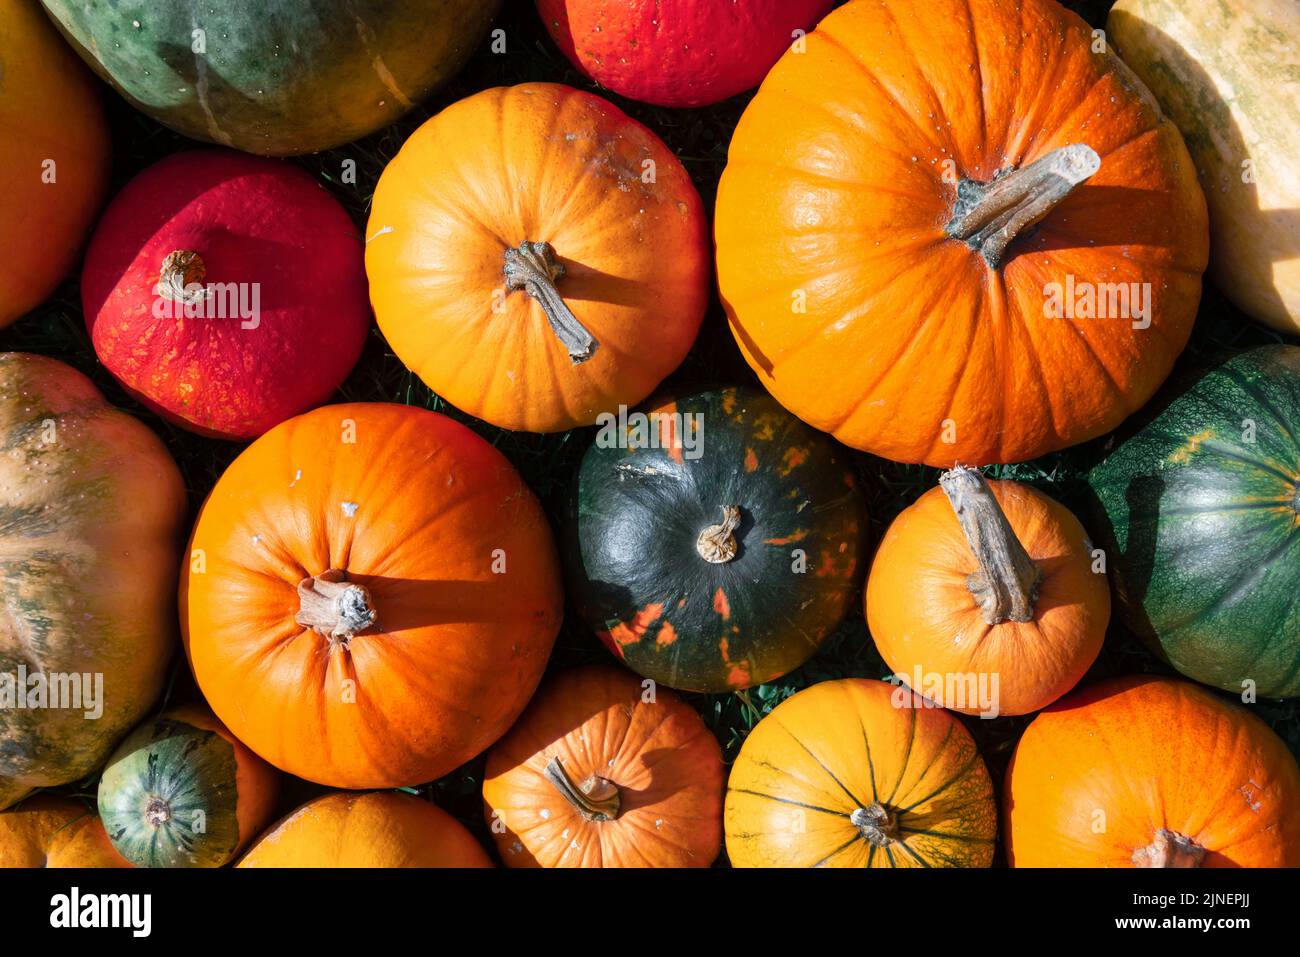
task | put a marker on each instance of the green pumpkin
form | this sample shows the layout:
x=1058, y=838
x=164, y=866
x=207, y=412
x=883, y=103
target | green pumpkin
x=716, y=541
x=181, y=792
x=275, y=77
x=1199, y=511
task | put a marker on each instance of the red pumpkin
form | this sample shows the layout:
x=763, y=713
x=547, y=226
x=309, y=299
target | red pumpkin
x=678, y=52
x=226, y=292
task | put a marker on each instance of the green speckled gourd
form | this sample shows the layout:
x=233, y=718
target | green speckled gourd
x=275, y=77
x=714, y=553
x=1199, y=511
x=91, y=506
x=181, y=791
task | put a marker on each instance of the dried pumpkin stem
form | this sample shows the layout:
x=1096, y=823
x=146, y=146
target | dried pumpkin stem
x=596, y=798
x=181, y=277
x=157, y=812
x=717, y=543
x=332, y=606
x=1169, y=849
x=877, y=824
x=988, y=216
x=1006, y=583
x=534, y=268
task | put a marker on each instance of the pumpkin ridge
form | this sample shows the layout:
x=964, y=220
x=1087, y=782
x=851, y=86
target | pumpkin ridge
x=824, y=31
x=821, y=764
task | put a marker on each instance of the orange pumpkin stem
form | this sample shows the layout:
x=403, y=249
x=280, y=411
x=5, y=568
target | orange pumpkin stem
x=332, y=606
x=988, y=216
x=534, y=268
x=1169, y=849
x=181, y=277
x=1006, y=584
x=596, y=798
x=717, y=543
x=877, y=824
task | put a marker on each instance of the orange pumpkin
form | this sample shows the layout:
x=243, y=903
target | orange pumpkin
x=537, y=257
x=379, y=829
x=904, y=215
x=1143, y=771
x=604, y=770
x=53, y=831
x=858, y=773
x=983, y=597
x=371, y=596
x=54, y=150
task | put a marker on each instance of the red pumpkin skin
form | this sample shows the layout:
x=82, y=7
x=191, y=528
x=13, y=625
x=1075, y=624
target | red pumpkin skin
x=678, y=53
x=251, y=220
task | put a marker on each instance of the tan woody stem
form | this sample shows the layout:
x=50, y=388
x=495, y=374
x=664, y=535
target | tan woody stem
x=595, y=798
x=534, y=268
x=332, y=606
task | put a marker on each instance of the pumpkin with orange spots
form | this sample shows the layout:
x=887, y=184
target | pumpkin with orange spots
x=604, y=770
x=716, y=542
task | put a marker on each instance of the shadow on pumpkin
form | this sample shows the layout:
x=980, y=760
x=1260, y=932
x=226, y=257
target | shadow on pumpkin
x=406, y=604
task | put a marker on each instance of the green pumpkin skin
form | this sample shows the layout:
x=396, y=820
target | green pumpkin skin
x=170, y=795
x=641, y=584
x=275, y=78
x=1202, y=525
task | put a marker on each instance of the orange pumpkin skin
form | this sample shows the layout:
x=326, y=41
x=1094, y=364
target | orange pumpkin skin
x=459, y=565
x=1140, y=754
x=663, y=761
x=53, y=831
x=847, y=295
x=840, y=748
x=50, y=110
x=379, y=829
x=923, y=615
x=537, y=163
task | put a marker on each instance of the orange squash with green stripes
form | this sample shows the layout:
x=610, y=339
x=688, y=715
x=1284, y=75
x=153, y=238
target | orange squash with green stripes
x=717, y=539
x=859, y=773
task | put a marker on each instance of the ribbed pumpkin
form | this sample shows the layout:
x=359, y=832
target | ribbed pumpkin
x=226, y=292
x=858, y=773
x=1143, y=771
x=717, y=539
x=52, y=831
x=90, y=511
x=54, y=152
x=1197, y=510
x=1226, y=73
x=293, y=76
x=537, y=257
x=687, y=53
x=605, y=770
x=370, y=596
x=987, y=582
x=180, y=791
x=910, y=204
x=379, y=829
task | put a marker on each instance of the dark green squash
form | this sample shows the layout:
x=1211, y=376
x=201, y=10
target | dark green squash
x=181, y=791
x=275, y=77
x=714, y=553
x=1199, y=511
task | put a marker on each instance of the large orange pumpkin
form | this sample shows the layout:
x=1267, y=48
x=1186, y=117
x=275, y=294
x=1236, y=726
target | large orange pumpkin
x=858, y=773
x=53, y=831
x=537, y=257
x=984, y=597
x=605, y=770
x=379, y=829
x=904, y=214
x=54, y=150
x=1143, y=771
x=370, y=596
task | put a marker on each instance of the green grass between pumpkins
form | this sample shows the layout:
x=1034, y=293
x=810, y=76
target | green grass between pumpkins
x=548, y=462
